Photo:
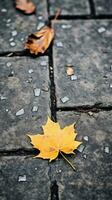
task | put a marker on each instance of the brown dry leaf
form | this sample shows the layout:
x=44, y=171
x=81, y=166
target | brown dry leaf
x=70, y=71
x=55, y=140
x=26, y=6
x=39, y=42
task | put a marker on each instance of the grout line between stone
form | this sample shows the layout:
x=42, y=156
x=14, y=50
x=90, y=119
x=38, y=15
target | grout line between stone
x=85, y=109
x=92, y=7
x=82, y=17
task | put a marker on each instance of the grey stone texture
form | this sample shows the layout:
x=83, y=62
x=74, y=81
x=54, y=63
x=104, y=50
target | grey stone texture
x=24, y=179
x=89, y=53
x=12, y=20
x=17, y=100
x=92, y=178
x=103, y=7
x=71, y=7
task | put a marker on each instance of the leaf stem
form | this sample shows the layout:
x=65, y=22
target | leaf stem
x=57, y=14
x=68, y=161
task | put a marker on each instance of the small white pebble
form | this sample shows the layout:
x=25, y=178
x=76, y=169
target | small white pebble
x=6, y=110
x=59, y=44
x=20, y=112
x=3, y=10
x=22, y=178
x=106, y=149
x=35, y=168
x=37, y=92
x=12, y=44
x=73, y=77
x=9, y=64
x=101, y=29
x=81, y=148
x=64, y=99
x=35, y=109
x=30, y=71
x=86, y=138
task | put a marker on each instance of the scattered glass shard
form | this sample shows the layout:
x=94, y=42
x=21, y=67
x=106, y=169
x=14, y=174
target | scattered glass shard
x=81, y=148
x=40, y=25
x=65, y=99
x=73, y=77
x=12, y=44
x=59, y=44
x=35, y=108
x=90, y=113
x=11, y=39
x=101, y=29
x=37, y=92
x=22, y=178
x=30, y=71
x=8, y=20
x=86, y=138
x=66, y=26
x=14, y=33
x=43, y=63
x=3, y=10
x=85, y=156
x=106, y=149
x=20, y=112
x=9, y=64
x=110, y=85
x=3, y=98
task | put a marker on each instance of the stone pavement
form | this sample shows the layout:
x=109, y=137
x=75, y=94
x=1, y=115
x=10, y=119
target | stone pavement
x=31, y=88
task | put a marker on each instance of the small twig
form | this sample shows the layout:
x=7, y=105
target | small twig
x=68, y=161
x=57, y=14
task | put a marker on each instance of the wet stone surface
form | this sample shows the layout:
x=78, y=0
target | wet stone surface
x=103, y=7
x=23, y=178
x=18, y=113
x=15, y=26
x=89, y=52
x=70, y=7
x=92, y=178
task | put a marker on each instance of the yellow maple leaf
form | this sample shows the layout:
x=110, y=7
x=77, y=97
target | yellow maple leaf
x=55, y=140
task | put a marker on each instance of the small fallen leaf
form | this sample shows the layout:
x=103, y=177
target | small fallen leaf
x=39, y=42
x=26, y=6
x=55, y=140
x=70, y=71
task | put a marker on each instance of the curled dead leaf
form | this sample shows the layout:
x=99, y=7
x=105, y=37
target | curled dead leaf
x=27, y=6
x=39, y=42
x=70, y=71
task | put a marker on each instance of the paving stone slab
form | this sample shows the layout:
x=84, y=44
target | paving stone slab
x=18, y=100
x=15, y=26
x=103, y=7
x=23, y=179
x=70, y=7
x=92, y=178
x=86, y=47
